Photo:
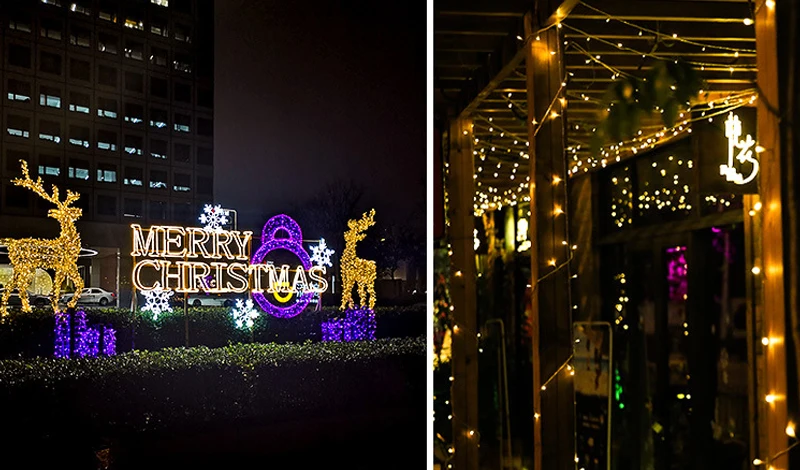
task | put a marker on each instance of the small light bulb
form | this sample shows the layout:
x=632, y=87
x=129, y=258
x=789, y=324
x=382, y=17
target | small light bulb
x=790, y=430
x=748, y=21
x=770, y=398
x=756, y=270
x=757, y=461
x=765, y=341
x=757, y=206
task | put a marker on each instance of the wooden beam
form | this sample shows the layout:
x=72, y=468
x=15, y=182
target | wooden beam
x=772, y=258
x=463, y=290
x=665, y=10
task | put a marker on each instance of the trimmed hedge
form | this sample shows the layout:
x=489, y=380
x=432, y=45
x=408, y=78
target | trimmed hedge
x=190, y=389
x=31, y=334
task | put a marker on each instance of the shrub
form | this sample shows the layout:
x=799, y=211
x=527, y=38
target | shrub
x=177, y=389
x=31, y=334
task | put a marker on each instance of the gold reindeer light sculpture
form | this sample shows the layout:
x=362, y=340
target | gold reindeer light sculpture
x=61, y=255
x=357, y=272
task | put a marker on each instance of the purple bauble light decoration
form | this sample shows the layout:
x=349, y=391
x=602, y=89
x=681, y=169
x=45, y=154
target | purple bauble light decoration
x=109, y=341
x=62, y=335
x=79, y=335
x=332, y=330
x=359, y=325
x=294, y=244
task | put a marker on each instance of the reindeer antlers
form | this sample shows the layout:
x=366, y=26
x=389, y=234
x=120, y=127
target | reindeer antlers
x=38, y=188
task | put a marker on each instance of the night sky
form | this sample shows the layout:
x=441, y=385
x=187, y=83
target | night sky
x=306, y=95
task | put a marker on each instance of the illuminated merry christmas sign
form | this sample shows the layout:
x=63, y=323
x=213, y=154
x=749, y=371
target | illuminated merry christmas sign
x=280, y=275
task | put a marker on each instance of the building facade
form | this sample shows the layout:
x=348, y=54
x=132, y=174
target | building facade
x=113, y=100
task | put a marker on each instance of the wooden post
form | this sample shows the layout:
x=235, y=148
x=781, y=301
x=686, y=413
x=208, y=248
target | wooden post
x=774, y=326
x=534, y=48
x=462, y=287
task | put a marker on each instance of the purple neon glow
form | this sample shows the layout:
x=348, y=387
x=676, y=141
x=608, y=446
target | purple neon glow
x=357, y=325
x=62, y=335
x=109, y=341
x=677, y=274
x=293, y=244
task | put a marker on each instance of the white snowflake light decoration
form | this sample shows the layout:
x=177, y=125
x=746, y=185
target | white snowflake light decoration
x=213, y=217
x=244, y=313
x=321, y=254
x=157, y=302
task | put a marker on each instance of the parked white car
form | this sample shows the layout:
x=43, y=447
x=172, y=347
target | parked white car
x=92, y=295
x=209, y=300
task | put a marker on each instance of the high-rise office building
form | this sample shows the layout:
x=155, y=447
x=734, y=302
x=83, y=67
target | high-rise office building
x=112, y=99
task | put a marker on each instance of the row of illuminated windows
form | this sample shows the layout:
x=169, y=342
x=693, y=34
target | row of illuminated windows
x=107, y=205
x=134, y=145
x=105, y=139
x=133, y=18
x=20, y=91
x=50, y=62
x=82, y=170
x=106, y=75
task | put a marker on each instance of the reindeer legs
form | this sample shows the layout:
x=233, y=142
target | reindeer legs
x=76, y=279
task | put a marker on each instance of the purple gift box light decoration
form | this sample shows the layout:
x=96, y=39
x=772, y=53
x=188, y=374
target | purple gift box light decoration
x=72, y=332
x=62, y=334
x=357, y=325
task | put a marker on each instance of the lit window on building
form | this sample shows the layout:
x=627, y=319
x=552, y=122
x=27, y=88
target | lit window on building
x=134, y=50
x=159, y=28
x=107, y=140
x=106, y=173
x=80, y=37
x=55, y=3
x=50, y=97
x=133, y=145
x=107, y=43
x=18, y=126
x=158, y=149
x=79, y=136
x=158, y=179
x=134, y=176
x=134, y=24
x=158, y=56
x=182, y=123
x=106, y=108
x=182, y=183
x=78, y=169
x=161, y=3
x=50, y=131
x=134, y=113
x=49, y=165
x=50, y=29
x=132, y=208
x=81, y=8
x=19, y=24
x=182, y=64
x=107, y=13
x=19, y=90
x=158, y=118
x=182, y=33
x=79, y=102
